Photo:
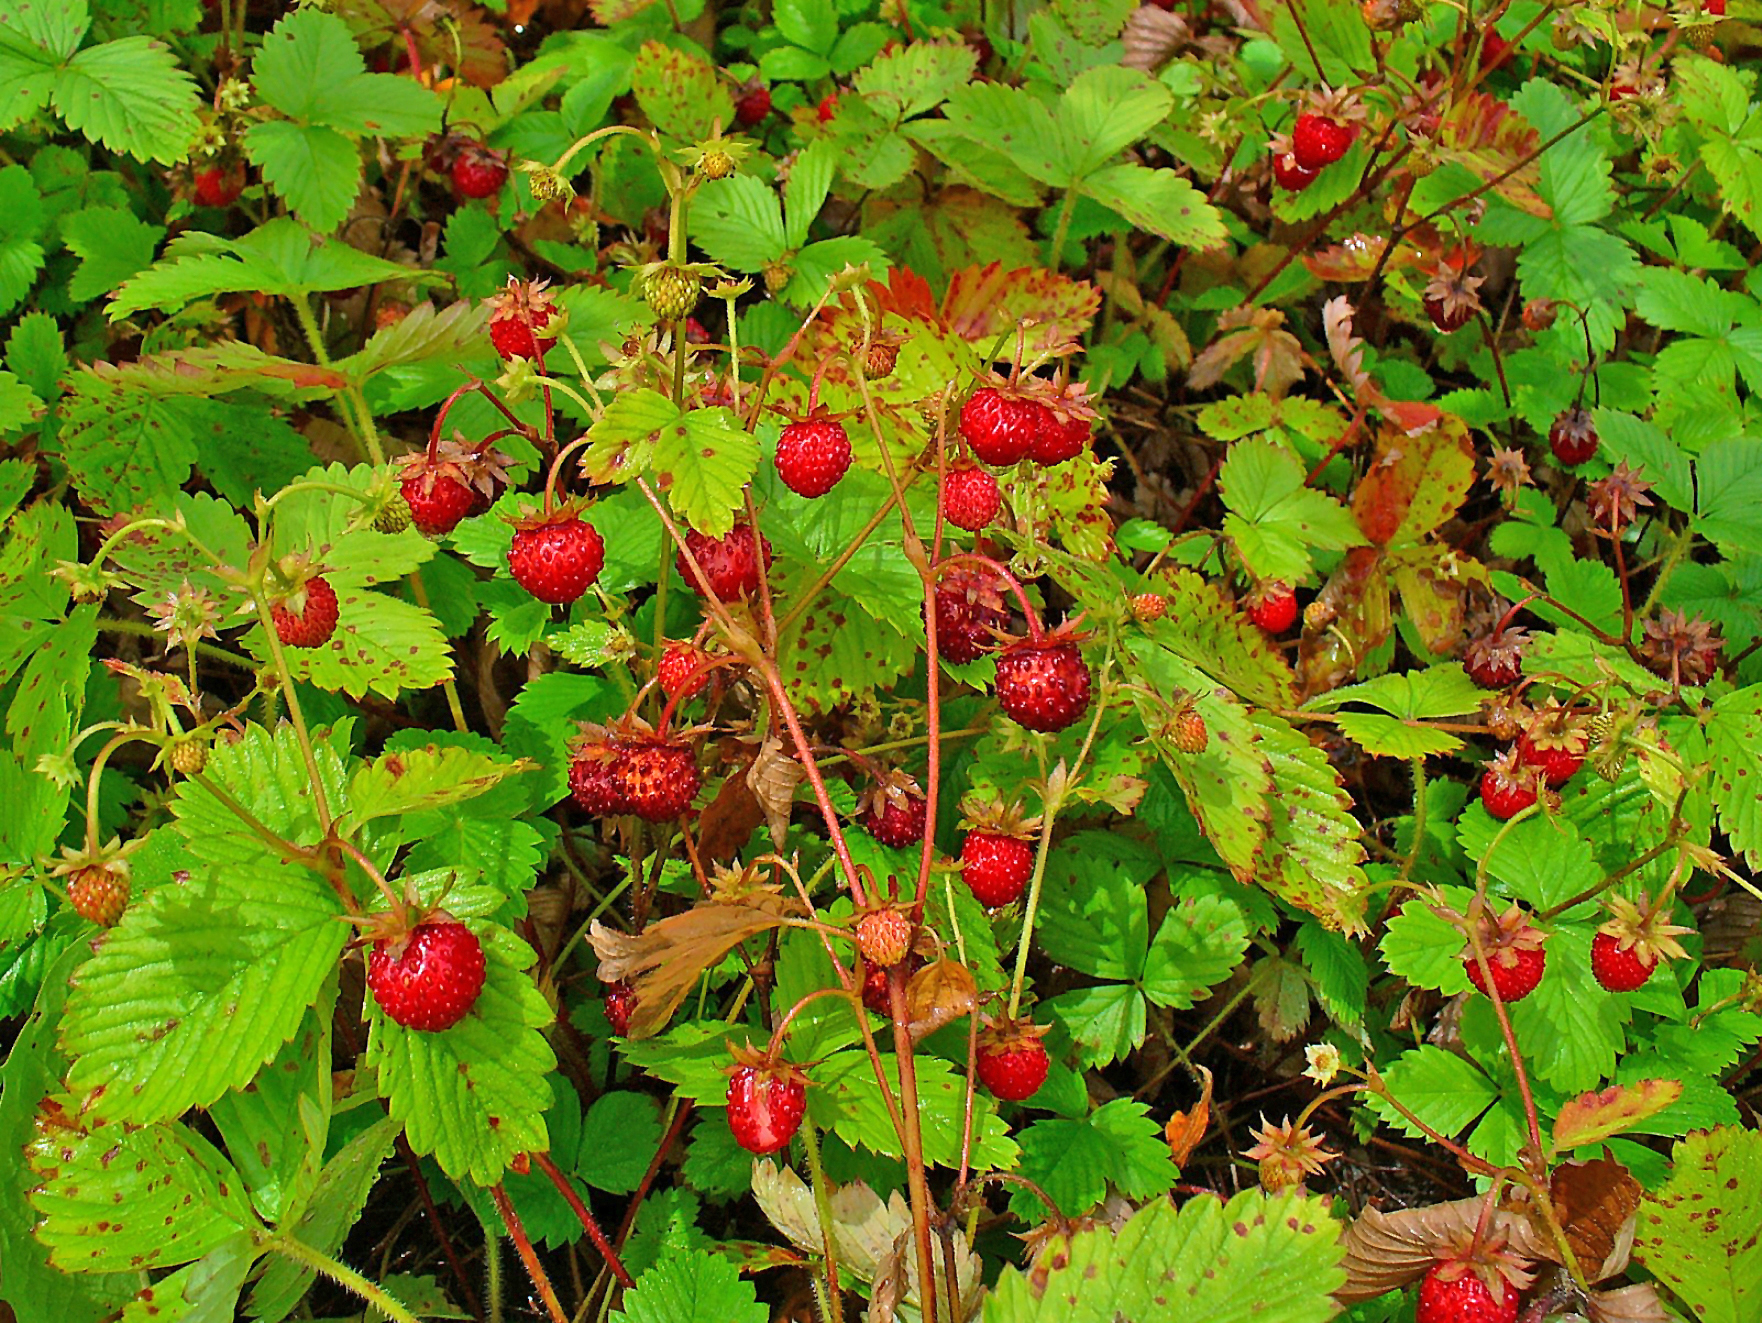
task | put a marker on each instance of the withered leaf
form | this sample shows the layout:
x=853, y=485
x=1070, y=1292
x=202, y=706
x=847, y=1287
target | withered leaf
x=1185, y=1129
x=665, y=960
x=1595, y=1202
x=773, y=777
x=1631, y=1304
x=939, y=994
x=1386, y=1251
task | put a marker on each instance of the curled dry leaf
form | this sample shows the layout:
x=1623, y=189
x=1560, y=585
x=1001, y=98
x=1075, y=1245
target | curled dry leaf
x=1347, y=349
x=773, y=778
x=1631, y=1304
x=1152, y=35
x=939, y=994
x=1185, y=1129
x=1386, y=1251
x=1596, y=1202
x=666, y=959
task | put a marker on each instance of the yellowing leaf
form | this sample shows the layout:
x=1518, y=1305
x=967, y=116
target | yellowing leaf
x=1598, y=1115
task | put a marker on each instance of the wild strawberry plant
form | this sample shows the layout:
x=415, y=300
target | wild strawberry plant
x=749, y=647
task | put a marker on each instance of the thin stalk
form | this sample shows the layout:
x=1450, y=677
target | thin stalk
x=825, y=1284
x=492, y=1270
x=586, y=1218
x=339, y=1272
x=141, y=629
x=301, y=733
x=914, y=1143
x=529, y=1256
x=1062, y=229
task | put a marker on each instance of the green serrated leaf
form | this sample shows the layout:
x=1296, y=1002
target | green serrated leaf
x=916, y=78
x=275, y=1128
x=21, y=255
x=163, y=1193
x=845, y=1099
x=1569, y=1029
x=679, y=92
x=1314, y=858
x=1159, y=201
x=415, y=779
x=1734, y=739
x=112, y=245
x=1200, y=944
x=1269, y=1259
x=315, y=169
x=692, y=1286
x=1076, y=1161
x=705, y=461
x=473, y=1095
x=1440, y=1088
x=1701, y=1234
x=133, y=96
x=35, y=353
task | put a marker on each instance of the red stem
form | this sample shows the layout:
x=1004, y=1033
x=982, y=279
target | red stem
x=529, y=1256
x=588, y=1223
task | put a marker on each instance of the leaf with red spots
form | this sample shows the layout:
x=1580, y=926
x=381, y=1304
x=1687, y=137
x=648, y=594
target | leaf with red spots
x=1415, y=483
x=1486, y=136
x=1701, y=1235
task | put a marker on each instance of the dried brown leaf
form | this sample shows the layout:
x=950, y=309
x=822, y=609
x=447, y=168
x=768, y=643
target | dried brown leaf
x=1152, y=35
x=939, y=994
x=1630, y=1304
x=1595, y=1202
x=1346, y=348
x=1185, y=1129
x=773, y=778
x=1386, y=1251
x=665, y=960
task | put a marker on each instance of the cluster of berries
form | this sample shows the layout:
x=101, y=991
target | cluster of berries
x=1002, y=428
x=630, y=769
x=1317, y=141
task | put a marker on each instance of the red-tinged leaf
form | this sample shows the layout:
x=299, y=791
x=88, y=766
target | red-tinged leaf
x=985, y=302
x=1630, y=1304
x=906, y=293
x=446, y=32
x=1600, y=1114
x=1346, y=348
x=1433, y=583
x=1595, y=1202
x=1355, y=601
x=1355, y=258
x=1257, y=334
x=216, y=370
x=1411, y=416
x=1485, y=135
x=1185, y=1129
x=1415, y=483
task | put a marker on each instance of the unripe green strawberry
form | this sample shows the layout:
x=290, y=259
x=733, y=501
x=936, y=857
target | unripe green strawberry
x=715, y=164
x=777, y=278
x=189, y=757
x=672, y=291
x=394, y=516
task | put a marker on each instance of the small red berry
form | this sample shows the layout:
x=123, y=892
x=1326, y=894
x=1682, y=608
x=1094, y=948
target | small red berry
x=556, y=558
x=479, y=172
x=1573, y=437
x=828, y=107
x=437, y=502
x=1291, y=176
x=1616, y=969
x=659, y=780
x=594, y=782
x=731, y=563
x=429, y=979
x=678, y=663
x=969, y=612
x=215, y=187
x=812, y=456
x=1012, y=1064
x=1318, y=141
x=1000, y=428
x=896, y=813
x=1505, y=797
x=519, y=312
x=875, y=994
x=1187, y=732
x=1447, y=317
x=765, y=1106
x=99, y=893
x=1043, y=683
x=1557, y=766
x=620, y=1002
x=1273, y=607
x=753, y=106
x=1715, y=8
x=1447, y=1298
x=1059, y=439
x=1516, y=972
x=970, y=498
x=1495, y=661
x=995, y=867
x=306, y=617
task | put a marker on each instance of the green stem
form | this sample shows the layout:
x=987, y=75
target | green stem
x=301, y=733
x=1419, y=818
x=492, y=1271
x=341, y=1273
x=825, y=1284
x=1063, y=228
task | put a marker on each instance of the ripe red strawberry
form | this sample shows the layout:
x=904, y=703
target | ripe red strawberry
x=659, y=779
x=1616, y=969
x=1573, y=437
x=594, y=781
x=828, y=108
x=620, y=1002
x=1515, y=977
x=1012, y=1061
x=1318, y=141
x=1556, y=764
x=437, y=502
x=970, y=498
x=1043, y=683
x=556, y=557
x=429, y=978
x=1494, y=661
x=1462, y=1299
x=1273, y=606
x=1291, y=176
x=217, y=187
x=812, y=456
x=1507, y=786
x=884, y=936
x=894, y=811
x=307, y=616
x=675, y=672
x=1001, y=428
x=730, y=563
x=752, y=106
x=1715, y=8
x=1446, y=316
x=1059, y=439
x=995, y=867
x=969, y=607
x=479, y=172
x=99, y=892
x=766, y=1101
x=518, y=312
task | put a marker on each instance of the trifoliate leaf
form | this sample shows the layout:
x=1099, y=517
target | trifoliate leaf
x=1439, y=1087
x=1274, y=519
x=1076, y=1161
x=473, y=1095
x=311, y=70
x=133, y=96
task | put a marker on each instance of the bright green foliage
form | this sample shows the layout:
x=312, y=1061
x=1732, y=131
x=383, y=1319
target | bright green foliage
x=1712, y=1263
x=1254, y=1258
x=692, y=1287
